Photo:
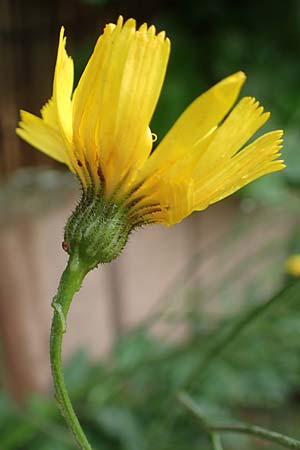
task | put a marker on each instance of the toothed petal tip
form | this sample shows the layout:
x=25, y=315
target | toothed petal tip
x=240, y=74
x=120, y=21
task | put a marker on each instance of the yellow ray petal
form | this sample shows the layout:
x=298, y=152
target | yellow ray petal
x=62, y=88
x=53, y=133
x=116, y=97
x=219, y=146
x=197, y=122
x=49, y=114
x=42, y=136
x=177, y=200
x=60, y=108
x=178, y=197
x=243, y=121
x=257, y=159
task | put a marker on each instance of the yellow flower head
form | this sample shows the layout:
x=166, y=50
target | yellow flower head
x=101, y=131
x=292, y=265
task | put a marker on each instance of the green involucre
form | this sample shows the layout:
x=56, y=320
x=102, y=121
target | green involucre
x=97, y=230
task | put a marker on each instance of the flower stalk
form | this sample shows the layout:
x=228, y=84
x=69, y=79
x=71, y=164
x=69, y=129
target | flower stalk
x=70, y=283
x=95, y=233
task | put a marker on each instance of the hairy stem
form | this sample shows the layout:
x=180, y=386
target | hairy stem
x=70, y=282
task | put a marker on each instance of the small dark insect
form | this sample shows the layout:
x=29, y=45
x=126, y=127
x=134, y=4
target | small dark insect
x=79, y=163
x=65, y=246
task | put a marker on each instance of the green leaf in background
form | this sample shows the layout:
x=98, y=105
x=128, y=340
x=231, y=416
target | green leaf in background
x=122, y=425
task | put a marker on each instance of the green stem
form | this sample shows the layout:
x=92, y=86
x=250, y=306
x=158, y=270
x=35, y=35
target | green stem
x=70, y=283
x=254, y=430
x=216, y=441
x=241, y=428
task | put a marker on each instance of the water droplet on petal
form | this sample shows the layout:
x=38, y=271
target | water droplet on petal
x=154, y=137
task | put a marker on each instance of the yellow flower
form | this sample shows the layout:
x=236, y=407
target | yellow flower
x=101, y=130
x=292, y=265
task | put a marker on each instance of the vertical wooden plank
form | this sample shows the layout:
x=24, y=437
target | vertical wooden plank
x=117, y=300
x=17, y=289
x=8, y=145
